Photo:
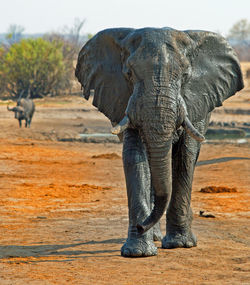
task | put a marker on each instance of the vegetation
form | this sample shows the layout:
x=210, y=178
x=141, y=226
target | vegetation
x=39, y=66
x=32, y=65
x=239, y=35
x=14, y=34
x=240, y=31
x=71, y=44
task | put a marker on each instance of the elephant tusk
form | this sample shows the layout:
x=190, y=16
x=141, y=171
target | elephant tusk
x=121, y=126
x=190, y=129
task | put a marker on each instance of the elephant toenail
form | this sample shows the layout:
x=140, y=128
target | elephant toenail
x=126, y=252
x=189, y=244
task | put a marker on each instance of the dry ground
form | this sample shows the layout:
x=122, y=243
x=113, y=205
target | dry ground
x=63, y=208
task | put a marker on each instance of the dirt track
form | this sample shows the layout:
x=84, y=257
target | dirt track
x=63, y=208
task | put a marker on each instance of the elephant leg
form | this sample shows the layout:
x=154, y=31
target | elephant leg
x=179, y=213
x=138, y=182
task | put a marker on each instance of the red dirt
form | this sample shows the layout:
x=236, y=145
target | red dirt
x=64, y=213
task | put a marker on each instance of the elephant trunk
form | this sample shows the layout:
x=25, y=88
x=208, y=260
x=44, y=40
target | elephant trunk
x=186, y=124
x=160, y=160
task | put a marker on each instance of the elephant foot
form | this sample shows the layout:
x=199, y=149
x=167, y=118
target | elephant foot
x=179, y=238
x=138, y=247
x=157, y=235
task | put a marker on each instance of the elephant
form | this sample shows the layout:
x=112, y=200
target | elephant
x=24, y=110
x=158, y=87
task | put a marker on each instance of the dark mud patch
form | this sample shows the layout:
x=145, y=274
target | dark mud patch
x=106, y=156
x=218, y=189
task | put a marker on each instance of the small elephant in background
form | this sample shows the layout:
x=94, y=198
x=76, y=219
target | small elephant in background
x=158, y=87
x=24, y=110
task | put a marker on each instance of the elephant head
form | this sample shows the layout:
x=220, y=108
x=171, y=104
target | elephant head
x=158, y=80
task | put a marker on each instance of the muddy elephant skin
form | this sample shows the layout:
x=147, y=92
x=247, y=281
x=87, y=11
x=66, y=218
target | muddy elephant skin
x=158, y=87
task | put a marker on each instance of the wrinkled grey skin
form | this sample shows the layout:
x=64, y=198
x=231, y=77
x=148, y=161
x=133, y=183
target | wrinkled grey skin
x=24, y=110
x=166, y=83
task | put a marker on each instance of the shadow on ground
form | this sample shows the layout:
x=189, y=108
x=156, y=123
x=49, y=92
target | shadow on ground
x=219, y=160
x=17, y=251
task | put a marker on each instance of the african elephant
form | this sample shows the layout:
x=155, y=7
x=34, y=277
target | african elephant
x=158, y=87
x=24, y=110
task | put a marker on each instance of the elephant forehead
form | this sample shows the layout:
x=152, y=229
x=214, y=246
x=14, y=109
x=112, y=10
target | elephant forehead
x=149, y=34
x=154, y=37
x=162, y=48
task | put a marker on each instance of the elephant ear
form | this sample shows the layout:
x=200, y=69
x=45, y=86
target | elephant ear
x=99, y=67
x=215, y=74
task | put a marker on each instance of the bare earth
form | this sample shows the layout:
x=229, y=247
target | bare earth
x=63, y=207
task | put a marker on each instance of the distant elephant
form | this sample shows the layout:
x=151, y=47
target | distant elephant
x=24, y=110
x=158, y=86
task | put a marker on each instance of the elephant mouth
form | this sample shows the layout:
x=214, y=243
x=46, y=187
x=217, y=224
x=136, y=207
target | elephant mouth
x=186, y=124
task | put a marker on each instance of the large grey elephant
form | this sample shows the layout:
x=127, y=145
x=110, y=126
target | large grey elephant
x=24, y=110
x=158, y=87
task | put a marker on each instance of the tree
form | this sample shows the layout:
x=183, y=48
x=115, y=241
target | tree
x=32, y=65
x=239, y=37
x=2, y=75
x=74, y=33
x=71, y=41
x=240, y=30
x=14, y=34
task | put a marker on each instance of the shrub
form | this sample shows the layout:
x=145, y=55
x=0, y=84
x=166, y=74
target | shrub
x=32, y=65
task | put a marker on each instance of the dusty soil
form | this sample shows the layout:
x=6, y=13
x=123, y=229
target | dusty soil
x=63, y=206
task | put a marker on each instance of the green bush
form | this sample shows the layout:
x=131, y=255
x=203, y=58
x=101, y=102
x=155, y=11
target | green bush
x=32, y=65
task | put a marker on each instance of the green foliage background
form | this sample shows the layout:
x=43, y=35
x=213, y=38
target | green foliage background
x=32, y=65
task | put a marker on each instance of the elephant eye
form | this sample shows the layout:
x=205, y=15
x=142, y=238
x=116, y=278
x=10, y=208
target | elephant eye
x=129, y=74
x=127, y=71
x=185, y=76
x=124, y=55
